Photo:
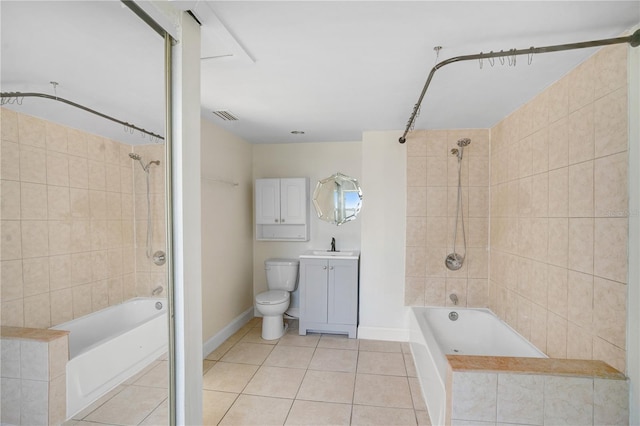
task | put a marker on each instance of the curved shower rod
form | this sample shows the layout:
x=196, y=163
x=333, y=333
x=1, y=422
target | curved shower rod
x=633, y=40
x=82, y=107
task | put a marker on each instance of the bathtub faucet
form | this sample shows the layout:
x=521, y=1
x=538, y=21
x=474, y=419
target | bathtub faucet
x=156, y=291
x=454, y=298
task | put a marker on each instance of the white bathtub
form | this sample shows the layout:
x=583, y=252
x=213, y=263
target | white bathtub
x=109, y=346
x=476, y=332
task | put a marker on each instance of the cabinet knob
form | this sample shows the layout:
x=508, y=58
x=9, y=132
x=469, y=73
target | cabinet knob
x=324, y=267
x=276, y=220
x=330, y=267
x=281, y=220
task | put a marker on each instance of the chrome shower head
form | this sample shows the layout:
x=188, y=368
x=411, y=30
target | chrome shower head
x=464, y=142
x=134, y=156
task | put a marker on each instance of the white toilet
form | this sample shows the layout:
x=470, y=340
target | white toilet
x=282, y=279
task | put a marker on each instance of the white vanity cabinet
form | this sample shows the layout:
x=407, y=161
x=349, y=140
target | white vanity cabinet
x=329, y=294
x=282, y=209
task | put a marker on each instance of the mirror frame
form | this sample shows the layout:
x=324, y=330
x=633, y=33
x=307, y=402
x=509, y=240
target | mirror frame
x=333, y=188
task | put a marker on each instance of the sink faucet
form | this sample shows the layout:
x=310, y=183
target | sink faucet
x=333, y=244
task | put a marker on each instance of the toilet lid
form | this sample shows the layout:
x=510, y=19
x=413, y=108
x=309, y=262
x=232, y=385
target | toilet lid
x=272, y=297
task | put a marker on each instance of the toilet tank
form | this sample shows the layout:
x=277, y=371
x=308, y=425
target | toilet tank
x=282, y=274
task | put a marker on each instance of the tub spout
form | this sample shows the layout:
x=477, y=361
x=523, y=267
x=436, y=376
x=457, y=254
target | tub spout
x=156, y=291
x=454, y=298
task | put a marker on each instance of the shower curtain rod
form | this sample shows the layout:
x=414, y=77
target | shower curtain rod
x=82, y=107
x=633, y=40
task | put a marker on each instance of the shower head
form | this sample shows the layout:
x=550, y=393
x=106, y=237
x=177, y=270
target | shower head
x=138, y=158
x=464, y=142
x=134, y=156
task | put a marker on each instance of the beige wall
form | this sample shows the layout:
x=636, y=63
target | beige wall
x=227, y=220
x=559, y=214
x=316, y=161
x=67, y=222
x=432, y=191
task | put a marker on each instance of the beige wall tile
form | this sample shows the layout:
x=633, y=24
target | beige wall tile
x=98, y=234
x=610, y=123
x=436, y=171
x=37, y=312
x=126, y=179
x=98, y=205
x=559, y=192
x=112, y=151
x=477, y=292
x=580, y=293
x=436, y=201
x=559, y=144
x=60, y=237
x=416, y=172
x=77, y=142
x=116, y=291
x=417, y=144
x=610, y=69
x=416, y=200
x=57, y=399
x=10, y=359
x=35, y=275
x=35, y=238
x=581, y=85
x=10, y=200
x=436, y=143
x=80, y=236
x=416, y=231
x=33, y=199
x=539, y=327
x=435, y=291
x=452, y=172
x=97, y=175
x=457, y=286
x=33, y=164
x=61, y=306
x=610, y=311
x=99, y=295
x=556, y=336
x=13, y=313
x=414, y=291
x=9, y=125
x=112, y=176
x=31, y=131
x=610, y=185
x=81, y=271
x=78, y=172
x=57, y=169
x=581, y=135
x=581, y=189
x=558, y=241
x=58, y=202
x=416, y=261
x=558, y=100
x=95, y=147
x=579, y=342
x=581, y=245
x=611, y=354
x=610, y=248
x=474, y=396
x=79, y=203
x=11, y=284
x=59, y=271
x=56, y=137
x=10, y=160
x=81, y=300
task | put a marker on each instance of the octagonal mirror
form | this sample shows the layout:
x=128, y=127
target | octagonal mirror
x=337, y=199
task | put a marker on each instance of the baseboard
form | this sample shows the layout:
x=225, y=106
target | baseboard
x=235, y=325
x=380, y=333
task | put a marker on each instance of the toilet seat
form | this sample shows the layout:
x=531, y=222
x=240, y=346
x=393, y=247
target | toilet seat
x=272, y=297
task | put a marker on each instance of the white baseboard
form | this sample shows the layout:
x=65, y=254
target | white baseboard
x=380, y=333
x=235, y=325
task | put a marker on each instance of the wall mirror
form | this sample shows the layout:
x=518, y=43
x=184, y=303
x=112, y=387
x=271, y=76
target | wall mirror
x=337, y=199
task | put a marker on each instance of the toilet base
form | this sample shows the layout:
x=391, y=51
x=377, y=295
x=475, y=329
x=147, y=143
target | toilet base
x=272, y=327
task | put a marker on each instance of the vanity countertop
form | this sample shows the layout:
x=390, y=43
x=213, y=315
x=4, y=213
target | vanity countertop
x=326, y=254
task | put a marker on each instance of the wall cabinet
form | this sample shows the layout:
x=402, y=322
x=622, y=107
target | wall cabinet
x=328, y=295
x=282, y=209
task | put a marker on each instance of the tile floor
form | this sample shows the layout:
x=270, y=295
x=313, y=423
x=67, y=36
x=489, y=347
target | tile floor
x=318, y=379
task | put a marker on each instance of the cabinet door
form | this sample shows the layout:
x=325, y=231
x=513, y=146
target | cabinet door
x=293, y=201
x=343, y=292
x=268, y=201
x=313, y=291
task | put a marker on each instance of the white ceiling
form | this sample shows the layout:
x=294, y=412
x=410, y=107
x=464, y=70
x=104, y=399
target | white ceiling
x=331, y=69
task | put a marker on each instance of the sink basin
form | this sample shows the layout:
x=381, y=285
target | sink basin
x=332, y=253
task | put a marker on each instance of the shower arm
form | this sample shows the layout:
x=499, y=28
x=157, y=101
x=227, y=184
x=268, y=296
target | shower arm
x=633, y=40
x=82, y=107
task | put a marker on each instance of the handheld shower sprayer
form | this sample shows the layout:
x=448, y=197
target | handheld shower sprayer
x=138, y=158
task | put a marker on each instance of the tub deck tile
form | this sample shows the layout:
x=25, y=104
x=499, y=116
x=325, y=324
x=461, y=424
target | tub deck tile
x=550, y=366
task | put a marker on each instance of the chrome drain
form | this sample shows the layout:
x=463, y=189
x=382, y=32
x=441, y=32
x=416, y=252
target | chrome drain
x=453, y=315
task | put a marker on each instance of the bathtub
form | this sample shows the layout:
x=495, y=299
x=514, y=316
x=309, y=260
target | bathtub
x=433, y=335
x=109, y=346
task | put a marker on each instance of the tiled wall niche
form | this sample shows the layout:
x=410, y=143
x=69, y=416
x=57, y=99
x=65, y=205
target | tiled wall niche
x=432, y=190
x=68, y=229
x=558, y=215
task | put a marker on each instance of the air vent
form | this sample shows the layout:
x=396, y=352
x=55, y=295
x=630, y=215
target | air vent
x=226, y=115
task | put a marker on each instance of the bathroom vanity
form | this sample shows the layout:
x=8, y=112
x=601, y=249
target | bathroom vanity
x=329, y=292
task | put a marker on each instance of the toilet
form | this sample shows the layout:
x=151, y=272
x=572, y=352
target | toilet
x=282, y=279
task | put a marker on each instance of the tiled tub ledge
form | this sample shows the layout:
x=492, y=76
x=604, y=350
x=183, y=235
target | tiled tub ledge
x=535, y=391
x=33, y=375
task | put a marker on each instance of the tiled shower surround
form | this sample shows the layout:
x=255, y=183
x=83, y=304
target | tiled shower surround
x=557, y=245
x=73, y=213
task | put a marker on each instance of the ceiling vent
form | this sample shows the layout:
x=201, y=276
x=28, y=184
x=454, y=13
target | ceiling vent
x=226, y=115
